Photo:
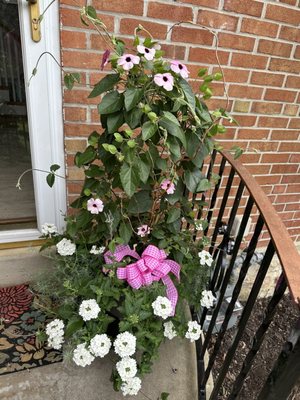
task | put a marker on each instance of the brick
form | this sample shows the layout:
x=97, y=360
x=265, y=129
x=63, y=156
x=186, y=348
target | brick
x=258, y=169
x=217, y=20
x=74, y=145
x=259, y=28
x=71, y=18
x=75, y=114
x=274, y=48
x=73, y=39
x=297, y=52
x=247, y=92
x=284, y=169
x=241, y=106
x=266, y=108
x=294, y=123
x=287, y=198
x=293, y=82
x=79, y=97
x=279, y=189
x=282, y=64
x=208, y=56
x=172, y=51
x=218, y=103
x=292, y=179
x=291, y=2
x=95, y=117
x=273, y=121
x=75, y=174
x=190, y=35
x=74, y=188
x=247, y=158
x=166, y=11
x=295, y=158
x=234, y=75
x=290, y=34
x=290, y=146
x=237, y=42
x=128, y=25
x=73, y=129
x=280, y=95
x=274, y=158
x=283, y=14
x=243, y=120
x=268, y=179
x=249, y=61
x=125, y=7
x=264, y=146
x=77, y=59
x=266, y=79
x=284, y=134
x=98, y=43
x=291, y=109
x=205, y=3
x=248, y=7
x=253, y=134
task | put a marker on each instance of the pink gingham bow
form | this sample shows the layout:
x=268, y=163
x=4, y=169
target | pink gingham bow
x=152, y=266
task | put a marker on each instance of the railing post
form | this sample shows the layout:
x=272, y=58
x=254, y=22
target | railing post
x=286, y=370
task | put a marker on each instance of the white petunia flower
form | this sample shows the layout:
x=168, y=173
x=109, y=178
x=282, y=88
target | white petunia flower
x=162, y=307
x=194, y=331
x=125, y=344
x=126, y=368
x=100, y=345
x=131, y=387
x=49, y=229
x=207, y=299
x=89, y=309
x=65, y=247
x=169, y=330
x=205, y=258
x=81, y=356
x=55, y=327
x=97, y=250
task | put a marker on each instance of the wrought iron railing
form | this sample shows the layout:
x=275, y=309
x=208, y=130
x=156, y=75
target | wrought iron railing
x=237, y=193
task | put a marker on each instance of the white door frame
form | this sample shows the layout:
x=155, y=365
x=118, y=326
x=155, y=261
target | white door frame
x=45, y=120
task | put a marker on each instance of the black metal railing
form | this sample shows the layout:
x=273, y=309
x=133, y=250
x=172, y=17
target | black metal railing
x=238, y=194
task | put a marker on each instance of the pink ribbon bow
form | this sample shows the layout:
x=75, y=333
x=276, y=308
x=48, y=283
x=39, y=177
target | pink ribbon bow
x=152, y=266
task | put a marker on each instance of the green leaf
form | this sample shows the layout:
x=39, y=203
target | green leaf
x=144, y=167
x=125, y=232
x=188, y=92
x=73, y=326
x=164, y=396
x=86, y=157
x=54, y=167
x=171, y=124
x=114, y=121
x=132, y=96
x=129, y=178
x=93, y=138
x=174, y=147
x=140, y=202
x=111, y=102
x=173, y=215
x=192, y=179
x=91, y=12
x=133, y=117
x=50, y=178
x=148, y=130
x=107, y=83
x=204, y=185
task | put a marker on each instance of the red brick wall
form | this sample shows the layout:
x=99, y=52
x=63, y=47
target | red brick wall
x=259, y=49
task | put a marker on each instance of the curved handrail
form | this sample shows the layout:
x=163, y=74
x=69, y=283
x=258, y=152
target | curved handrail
x=285, y=247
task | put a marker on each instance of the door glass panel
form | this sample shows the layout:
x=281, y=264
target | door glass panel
x=17, y=207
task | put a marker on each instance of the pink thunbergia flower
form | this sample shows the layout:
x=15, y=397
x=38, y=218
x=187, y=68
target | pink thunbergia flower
x=168, y=186
x=105, y=58
x=143, y=230
x=147, y=53
x=127, y=61
x=180, y=69
x=95, y=206
x=165, y=80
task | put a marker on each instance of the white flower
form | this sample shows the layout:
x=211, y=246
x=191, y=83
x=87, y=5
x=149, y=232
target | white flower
x=97, y=250
x=100, y=345
x=125, y=344
x=131, y=386
x=205, y=258
x=194, y=331
x=89, y=309
x=198, y=226
x=162, y=307
x=169, y=330
x=81, y=356
x=147, y=53
x=143, y=230
x=126, y=368
x=55, y=342
x=65, y=247
x=207, y=299
x=55, y=327
x=49, y=229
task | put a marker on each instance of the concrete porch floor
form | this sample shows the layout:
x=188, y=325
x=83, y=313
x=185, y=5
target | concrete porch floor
x=174, y=372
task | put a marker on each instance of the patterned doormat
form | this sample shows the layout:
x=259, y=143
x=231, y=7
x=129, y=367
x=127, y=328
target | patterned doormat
x=19, y=321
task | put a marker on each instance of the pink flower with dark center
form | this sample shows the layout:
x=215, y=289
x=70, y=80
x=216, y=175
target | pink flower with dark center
x=127, y=61
x=105, y=58
x=147, y=53
x=180, y=69
x=95, y=206
x=143, y=230
x=168, y=186
x=165, y=80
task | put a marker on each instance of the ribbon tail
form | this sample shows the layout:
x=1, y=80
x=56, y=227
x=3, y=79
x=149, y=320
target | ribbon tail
x=174, y=267
x=172, y=293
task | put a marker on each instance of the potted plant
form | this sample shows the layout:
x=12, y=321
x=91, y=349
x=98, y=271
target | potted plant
x=133, y=255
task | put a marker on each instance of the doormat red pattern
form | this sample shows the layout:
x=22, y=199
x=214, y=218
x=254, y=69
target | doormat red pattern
x=19, y=321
